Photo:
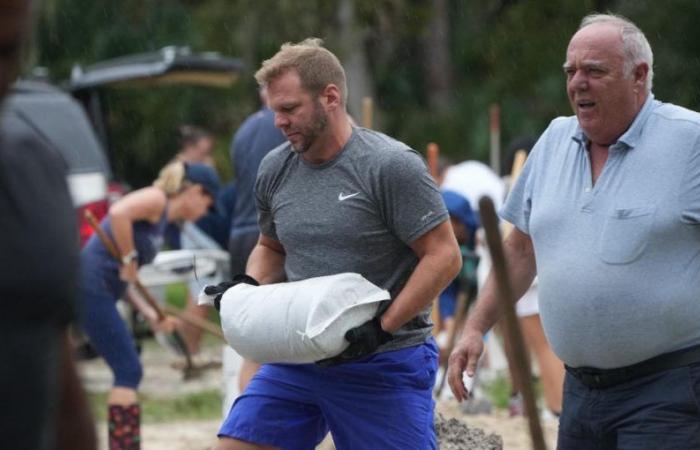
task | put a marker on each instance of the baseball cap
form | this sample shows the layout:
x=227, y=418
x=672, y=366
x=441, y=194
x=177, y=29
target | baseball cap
x=459, y=208
x=203, y=175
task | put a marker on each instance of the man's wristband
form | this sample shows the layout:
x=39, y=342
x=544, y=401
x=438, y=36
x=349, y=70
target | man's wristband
x=129, y=257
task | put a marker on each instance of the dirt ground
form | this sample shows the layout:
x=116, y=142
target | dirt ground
x=161, y=379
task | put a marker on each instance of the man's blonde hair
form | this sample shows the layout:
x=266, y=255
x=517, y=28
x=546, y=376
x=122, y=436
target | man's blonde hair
x=316, y=65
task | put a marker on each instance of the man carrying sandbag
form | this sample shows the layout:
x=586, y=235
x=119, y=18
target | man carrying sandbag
x=334, y=199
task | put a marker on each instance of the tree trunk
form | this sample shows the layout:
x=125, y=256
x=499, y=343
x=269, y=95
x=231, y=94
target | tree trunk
x=351, y=40
x=438, y=69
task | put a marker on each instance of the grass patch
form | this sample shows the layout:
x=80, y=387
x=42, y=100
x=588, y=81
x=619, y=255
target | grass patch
x=176, y=296
x=204, y=405
x=498, y=390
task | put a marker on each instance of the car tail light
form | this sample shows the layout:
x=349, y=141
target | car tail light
x=99, y=210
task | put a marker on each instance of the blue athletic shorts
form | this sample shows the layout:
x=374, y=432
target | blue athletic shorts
x=383, y=401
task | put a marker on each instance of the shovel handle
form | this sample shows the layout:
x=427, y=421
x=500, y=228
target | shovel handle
x=116, y=254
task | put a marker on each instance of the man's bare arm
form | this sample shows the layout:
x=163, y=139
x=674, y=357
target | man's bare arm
x=520, y=257
x=439, y=263
x=266, y=261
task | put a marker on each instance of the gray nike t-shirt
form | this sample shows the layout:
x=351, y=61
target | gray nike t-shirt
x=358, y=213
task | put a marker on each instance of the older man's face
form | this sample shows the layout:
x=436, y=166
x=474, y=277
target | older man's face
x=604, y=97
x=13, y=23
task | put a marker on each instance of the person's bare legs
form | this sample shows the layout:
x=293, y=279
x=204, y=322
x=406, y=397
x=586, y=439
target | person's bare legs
x=122, y=396
x=551, y=367
x=192, y=334
x=515, y=382
x=248, y=370
x=235, y=444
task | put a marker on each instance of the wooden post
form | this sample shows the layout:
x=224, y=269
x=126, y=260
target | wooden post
x=518, y=163
x=367, y=112
x=495, y=137
x=512, y=328
x=432, y=155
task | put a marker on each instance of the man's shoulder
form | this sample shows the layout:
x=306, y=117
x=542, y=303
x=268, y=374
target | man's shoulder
x=276, y=158
x=676, y=113
x=261, y=121
x=260, y=117
x=373, y=147
x=563, y=125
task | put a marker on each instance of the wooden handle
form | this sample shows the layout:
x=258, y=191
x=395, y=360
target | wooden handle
x=512, y=328
x=198, y=322
x=114, y=251
x=367, y=112
x=518, y=163
x=432, y=155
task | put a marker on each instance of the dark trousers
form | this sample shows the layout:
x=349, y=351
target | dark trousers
x=658, y=411
x=29, y=385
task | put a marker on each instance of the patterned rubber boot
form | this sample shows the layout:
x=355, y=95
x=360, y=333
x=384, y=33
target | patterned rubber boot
x=124, y=427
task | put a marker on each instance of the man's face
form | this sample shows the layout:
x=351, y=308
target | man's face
x=299, y=115
x=13, y=23
x=604, y=97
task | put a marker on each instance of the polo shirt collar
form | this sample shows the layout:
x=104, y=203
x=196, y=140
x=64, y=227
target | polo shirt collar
x=633, y=133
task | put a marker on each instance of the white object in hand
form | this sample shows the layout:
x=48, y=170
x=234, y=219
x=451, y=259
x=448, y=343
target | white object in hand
x=468, y=382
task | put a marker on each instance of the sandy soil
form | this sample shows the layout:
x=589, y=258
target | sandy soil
x=162, y=380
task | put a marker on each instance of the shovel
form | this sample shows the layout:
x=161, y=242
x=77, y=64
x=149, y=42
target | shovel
x=174, y=339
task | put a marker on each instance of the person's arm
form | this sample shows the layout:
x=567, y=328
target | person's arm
x=75, y=429
x=266, y=261
x=520, y=255
x=439, y=263
x=144, y=204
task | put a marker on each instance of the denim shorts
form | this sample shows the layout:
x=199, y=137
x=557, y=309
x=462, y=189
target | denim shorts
x=383, y=401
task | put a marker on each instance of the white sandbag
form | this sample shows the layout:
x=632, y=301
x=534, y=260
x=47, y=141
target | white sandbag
x=297, y=322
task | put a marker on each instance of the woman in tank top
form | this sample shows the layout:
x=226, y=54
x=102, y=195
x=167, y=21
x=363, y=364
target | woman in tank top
x=135, y=223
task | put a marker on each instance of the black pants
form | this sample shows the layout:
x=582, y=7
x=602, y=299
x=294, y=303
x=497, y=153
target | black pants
x=658, y=411
x=29, y=385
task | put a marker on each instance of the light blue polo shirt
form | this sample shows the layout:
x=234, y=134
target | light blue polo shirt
x=619, y=261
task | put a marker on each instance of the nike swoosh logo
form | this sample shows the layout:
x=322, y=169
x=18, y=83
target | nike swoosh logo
x=425, y=217
x=342, y=197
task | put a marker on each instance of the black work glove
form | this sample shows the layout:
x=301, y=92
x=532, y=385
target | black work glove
x=222, y=287
x=364, y=340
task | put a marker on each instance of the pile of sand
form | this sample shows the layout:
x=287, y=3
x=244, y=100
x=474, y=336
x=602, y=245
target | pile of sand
x=456, y=435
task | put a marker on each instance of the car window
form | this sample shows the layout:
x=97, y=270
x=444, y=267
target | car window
x=59, y=119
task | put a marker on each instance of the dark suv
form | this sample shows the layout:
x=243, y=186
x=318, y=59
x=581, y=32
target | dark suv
x=58, y=119
x=73, y=123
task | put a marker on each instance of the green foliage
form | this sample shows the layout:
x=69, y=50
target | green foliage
x=498, y=391
x=204, y=405
x=500, y=51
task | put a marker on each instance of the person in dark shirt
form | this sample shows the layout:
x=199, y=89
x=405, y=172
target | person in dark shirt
x=44, y=404
x=253, y=140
